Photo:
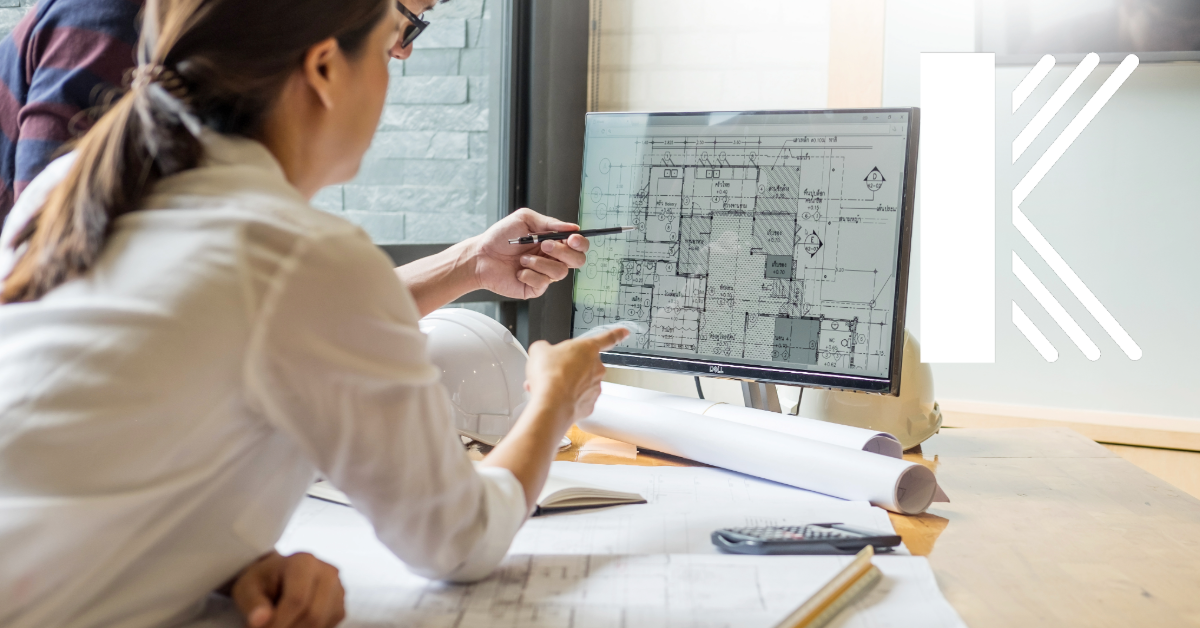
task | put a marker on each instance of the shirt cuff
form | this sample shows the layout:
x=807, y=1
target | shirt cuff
x=506, y=511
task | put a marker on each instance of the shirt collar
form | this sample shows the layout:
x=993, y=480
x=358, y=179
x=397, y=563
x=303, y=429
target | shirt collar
x=234, y=150
x=226, y=151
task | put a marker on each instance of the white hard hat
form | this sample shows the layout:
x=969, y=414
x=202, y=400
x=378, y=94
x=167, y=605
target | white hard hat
x=912, y=417
x=483, y=368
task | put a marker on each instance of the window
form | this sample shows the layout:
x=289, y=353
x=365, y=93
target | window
x=10, y=13
x=431, y=176
x=426, y=177
x=508, y=78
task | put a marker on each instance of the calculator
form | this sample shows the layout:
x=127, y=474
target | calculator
x=813, y=538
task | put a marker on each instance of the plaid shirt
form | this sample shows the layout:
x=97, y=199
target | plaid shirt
x=59, y=60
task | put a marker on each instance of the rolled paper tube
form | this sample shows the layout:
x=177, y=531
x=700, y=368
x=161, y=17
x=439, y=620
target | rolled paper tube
x=832, y=433
x=852, y=474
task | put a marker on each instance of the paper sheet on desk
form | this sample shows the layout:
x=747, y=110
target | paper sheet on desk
x=684, y=506
x=648, y=529
x=632, y=592
x=554, y=584
x=633, y=529
x=651, y=592
x=585, y=591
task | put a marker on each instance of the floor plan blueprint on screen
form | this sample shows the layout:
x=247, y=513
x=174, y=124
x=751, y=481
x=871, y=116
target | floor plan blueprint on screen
x=761, y=238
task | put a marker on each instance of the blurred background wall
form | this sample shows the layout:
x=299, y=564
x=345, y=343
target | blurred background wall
x=1116, y=206
x=1121, y=206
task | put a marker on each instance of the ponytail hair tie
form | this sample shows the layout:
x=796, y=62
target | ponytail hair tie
x=168, y=79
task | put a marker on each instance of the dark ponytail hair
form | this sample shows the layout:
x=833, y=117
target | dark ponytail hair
x=215, y=63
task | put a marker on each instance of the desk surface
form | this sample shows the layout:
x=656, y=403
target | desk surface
x=1044, y=528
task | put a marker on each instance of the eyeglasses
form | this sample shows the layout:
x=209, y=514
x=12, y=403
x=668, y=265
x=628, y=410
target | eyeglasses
x=415, y=25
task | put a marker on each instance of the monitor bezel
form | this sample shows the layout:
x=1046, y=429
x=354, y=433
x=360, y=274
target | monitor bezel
x=795, y=377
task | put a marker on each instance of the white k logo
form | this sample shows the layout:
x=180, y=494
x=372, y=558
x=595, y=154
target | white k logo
x=1030, y=232
x=958, y=228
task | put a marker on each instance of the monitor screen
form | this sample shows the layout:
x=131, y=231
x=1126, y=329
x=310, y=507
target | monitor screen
x=768, y=245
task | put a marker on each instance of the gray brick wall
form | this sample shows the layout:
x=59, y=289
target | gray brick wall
x=425, y=176
x=11, y=12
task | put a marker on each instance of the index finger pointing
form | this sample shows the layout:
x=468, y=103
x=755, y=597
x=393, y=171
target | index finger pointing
x=608, y=339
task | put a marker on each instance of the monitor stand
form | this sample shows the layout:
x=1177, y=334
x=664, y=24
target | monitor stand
x=762, y=396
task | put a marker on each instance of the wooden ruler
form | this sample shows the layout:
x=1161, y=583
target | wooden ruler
x=857, y=578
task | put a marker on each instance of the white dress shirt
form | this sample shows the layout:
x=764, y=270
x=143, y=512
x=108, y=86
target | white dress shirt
x=162, y=416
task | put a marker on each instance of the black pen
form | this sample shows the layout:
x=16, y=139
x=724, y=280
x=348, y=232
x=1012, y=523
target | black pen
x=534, y=238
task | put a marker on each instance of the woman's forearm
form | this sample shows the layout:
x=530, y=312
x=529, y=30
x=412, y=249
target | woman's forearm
x=529, y=448
x=441, y=278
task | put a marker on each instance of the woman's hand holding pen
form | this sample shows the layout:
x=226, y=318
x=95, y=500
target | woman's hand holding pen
x=488, y=262
x=525, y=272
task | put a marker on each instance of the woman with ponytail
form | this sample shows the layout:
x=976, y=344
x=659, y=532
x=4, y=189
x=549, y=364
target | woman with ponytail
x=185, y=342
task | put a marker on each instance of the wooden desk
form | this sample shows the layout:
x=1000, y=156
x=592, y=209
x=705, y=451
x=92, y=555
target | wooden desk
x=1044, y=528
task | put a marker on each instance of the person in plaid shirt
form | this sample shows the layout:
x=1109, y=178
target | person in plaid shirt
x=60, y=60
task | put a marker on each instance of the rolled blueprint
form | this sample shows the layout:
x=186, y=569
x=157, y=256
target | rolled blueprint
x=832, y=433
x=896, y=485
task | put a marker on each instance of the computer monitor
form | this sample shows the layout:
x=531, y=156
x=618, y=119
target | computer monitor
x=769, y=245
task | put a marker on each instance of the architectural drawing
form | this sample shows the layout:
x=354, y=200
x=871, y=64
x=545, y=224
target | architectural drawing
x=643, y=566
x=760, y=247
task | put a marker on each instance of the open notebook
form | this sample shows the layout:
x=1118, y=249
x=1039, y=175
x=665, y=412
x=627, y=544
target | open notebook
x=558, y=495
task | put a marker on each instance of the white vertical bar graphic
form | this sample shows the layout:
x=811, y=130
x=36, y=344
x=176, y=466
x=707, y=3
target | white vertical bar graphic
x=958, y=207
